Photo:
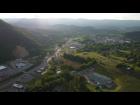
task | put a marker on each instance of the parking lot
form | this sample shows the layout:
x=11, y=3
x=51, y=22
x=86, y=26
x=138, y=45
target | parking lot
x=14, y=84
x=6, y=73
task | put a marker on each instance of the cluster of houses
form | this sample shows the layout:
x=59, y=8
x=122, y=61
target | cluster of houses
x=112, y=40
x=6, y=71
x=73, y=46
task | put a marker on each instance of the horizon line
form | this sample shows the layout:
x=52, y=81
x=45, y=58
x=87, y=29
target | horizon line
x=64, y=18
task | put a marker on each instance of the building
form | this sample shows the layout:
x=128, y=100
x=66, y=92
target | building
x=3, y=67
x=73, y=47
x=4, y=73
x=127, y=41
x=20, y=65
x=100, y=80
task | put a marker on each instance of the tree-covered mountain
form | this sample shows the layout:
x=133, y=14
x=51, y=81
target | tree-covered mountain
x=11, y=38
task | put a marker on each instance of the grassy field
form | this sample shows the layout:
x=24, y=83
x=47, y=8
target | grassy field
x=108, y=63
x=124, y=51
x=122, y=59
x=92, y=88
x=125, y=83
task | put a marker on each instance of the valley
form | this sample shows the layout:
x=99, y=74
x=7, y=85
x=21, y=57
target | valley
x=40, y=55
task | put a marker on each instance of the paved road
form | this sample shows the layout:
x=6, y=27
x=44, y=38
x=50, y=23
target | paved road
x=26, y=76
x=23, y=79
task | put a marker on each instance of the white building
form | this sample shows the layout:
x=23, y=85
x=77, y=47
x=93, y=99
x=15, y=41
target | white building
x=2, y=67
x=72, y=47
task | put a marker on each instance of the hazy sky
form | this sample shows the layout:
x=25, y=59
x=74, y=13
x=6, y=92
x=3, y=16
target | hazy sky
x=122, y=16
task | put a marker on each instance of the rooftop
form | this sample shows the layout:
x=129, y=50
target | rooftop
x=99, y=79
x=2, y=67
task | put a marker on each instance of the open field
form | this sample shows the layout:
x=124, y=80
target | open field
x=107, y=66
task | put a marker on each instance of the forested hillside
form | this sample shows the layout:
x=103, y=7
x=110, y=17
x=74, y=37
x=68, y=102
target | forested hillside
x=10, y=38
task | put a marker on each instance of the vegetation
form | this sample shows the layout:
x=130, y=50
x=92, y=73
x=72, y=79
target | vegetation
x=10, y=38
x=110, y=59
x=63, y=82
x=111, y=48
x=84, y=62
x=74, y=58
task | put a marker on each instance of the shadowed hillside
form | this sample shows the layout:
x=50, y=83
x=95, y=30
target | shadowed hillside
x=10, y=37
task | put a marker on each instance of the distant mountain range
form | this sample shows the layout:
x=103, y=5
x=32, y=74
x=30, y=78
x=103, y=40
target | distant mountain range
x=28, y=35
x=45, y=23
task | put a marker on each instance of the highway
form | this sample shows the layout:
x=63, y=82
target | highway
x=22, y=79
x=26, y=76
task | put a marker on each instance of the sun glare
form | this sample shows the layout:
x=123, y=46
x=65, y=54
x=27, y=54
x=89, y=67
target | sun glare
x=122, y=16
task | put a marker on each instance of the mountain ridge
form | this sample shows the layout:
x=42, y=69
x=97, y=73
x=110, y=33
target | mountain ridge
x=10, y=37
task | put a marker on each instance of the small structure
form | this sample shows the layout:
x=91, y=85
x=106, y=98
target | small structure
x=19, y=86
x=20, y=65
x=2, y=67
x=127, y=41
x=72, y=47
x=129, y=69
x=38, y=71
x=58, y=72
x=131, y=60
x=19, y=60
x=42, y=68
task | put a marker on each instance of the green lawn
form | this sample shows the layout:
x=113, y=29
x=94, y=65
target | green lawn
x=128, y=84
x=91, y=87
x=107, y=66
x=117, y=58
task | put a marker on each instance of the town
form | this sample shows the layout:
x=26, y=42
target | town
x=17, y=73
x=69, y=55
